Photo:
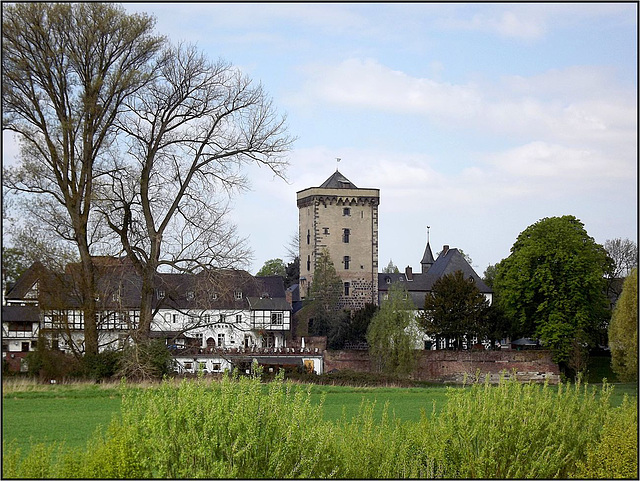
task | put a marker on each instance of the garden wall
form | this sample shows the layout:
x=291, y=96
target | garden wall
x=452, y=366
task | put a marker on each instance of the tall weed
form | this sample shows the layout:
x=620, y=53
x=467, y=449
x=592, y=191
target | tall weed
x=241, y=428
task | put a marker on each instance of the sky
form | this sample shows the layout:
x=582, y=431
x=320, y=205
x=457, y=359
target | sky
x=476, y=119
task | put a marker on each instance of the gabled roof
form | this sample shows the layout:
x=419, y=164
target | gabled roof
x=26, y=282
x=337, y=181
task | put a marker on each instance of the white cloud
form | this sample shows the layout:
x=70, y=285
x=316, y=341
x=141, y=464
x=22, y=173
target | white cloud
x=576, y=104
x=511, y=24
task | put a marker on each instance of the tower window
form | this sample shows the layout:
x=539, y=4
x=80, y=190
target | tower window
x=308, y=262
x=325, y=231
x=308, y=237
x=346, y=260
x=346, y=211
x=345, y=235
x=347, y=286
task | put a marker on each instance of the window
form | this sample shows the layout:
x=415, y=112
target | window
x=174, y=318
x=345, y=235
x=238, y=318
x=191, y=295
x=276, y=318
x=222, y=318
x=308, y=237
x=115, y=297
x=346, y=211
x=188, y=366
x=216, y=366
x=221, y=340
x=160, y=293
x=237, y=295
x=308, y=262
x=214, y=295
x=206, y=318
x=325, y=230
x=347, y=286
x=345, y=261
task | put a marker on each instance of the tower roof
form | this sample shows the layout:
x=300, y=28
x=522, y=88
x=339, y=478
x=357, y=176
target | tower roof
x=427, y=258
x=337, y=181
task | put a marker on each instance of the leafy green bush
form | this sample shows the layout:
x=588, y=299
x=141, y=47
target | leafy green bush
x=616, y=454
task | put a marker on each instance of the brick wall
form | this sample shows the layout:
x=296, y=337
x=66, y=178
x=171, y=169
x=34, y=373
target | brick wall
x=452, y=366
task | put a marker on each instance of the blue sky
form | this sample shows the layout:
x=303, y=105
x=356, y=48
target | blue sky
x=474, y=119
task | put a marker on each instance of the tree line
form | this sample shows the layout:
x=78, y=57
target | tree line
x=555, y=287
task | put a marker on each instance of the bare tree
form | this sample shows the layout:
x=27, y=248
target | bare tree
x=68, y=70
x=624, y=257
x=190, y=132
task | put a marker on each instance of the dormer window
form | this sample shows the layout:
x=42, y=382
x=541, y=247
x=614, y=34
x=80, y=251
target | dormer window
x=160, y=293
x=191, y=295
x=237, y=295
x=214, y=296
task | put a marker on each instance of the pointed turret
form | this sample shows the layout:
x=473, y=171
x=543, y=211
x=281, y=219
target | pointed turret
x=427, y=259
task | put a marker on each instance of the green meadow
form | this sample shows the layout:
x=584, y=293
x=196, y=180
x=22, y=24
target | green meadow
x=241, y=428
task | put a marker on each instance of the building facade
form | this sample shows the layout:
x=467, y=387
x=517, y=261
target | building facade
x=343, y=219
x=211, y=321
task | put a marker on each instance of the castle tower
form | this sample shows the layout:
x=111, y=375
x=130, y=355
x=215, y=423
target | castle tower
x=343, y=219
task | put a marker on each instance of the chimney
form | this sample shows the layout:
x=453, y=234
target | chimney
x=445, y=248
x=408, y=271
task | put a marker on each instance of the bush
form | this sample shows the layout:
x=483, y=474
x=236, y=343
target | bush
x=103, y=365
x=146, y=360
x=616, y=454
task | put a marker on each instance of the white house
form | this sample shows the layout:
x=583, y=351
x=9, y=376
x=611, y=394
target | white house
x=212, y=320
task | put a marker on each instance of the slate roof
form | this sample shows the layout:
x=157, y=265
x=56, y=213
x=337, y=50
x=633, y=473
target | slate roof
x=447, y=263
x=20, y=314
x=119, y=287
x=427, y=258
x=26, y=281
x=337, y=181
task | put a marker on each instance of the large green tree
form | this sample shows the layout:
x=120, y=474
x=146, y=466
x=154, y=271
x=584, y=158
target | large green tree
x=392, y=334
x=455, y=309
x=623, y=331
x=552, y=285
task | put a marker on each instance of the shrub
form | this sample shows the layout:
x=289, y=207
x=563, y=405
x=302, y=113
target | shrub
x=616, y=454
x=241, y=428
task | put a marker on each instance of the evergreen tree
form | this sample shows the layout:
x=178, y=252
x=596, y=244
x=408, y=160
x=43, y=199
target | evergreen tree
x=325, y=294
x=455, y=309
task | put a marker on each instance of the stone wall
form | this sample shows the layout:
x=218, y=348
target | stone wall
x=453, y=366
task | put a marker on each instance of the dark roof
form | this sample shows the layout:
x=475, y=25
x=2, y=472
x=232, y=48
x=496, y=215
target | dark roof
x=120, y=287
x=26, y=281
x=447, y=263
x=20, y=314
x=427, y=258
x=337, y=181
x=268, y=304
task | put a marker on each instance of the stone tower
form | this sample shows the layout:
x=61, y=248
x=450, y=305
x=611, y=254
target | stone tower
x=344, y=219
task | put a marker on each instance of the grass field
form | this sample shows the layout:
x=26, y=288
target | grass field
x=71, y=413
